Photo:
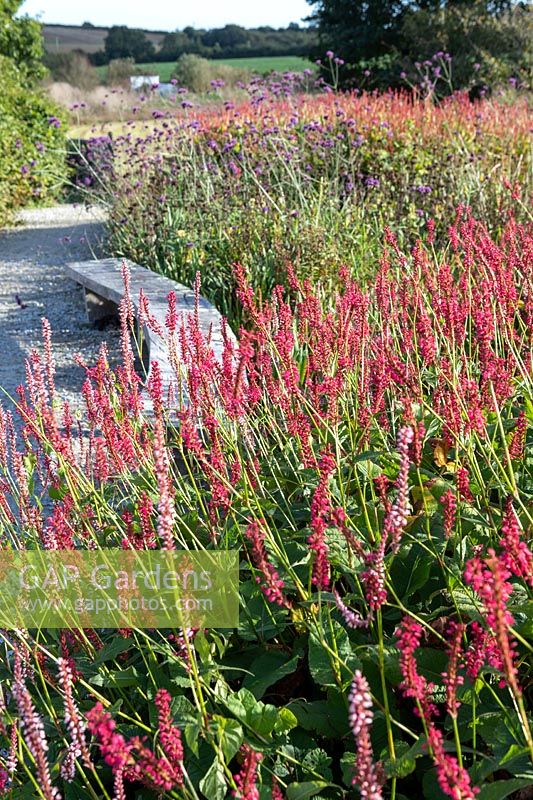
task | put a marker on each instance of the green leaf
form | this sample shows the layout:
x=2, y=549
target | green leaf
x=301, y=791
x=267, y=670
x=112, y=649
x=213, y=784
x=348, y=767
x=500, y=789
x=118, y=678
x=286, y=721
x=192, y=734
x=406, y=757
x=57, y=492
x=325, y=667
x=260, y=717
x=318, y=762
x=183, y=711
x=229, y=734
x=322, y=717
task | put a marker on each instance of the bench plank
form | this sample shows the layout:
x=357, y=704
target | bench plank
x=103, y=285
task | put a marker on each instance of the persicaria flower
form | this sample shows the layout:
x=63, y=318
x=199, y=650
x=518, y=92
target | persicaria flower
x=452, y=680
x=408, y=637
x=269, y=581
x=489, y=578
x=115, y=750
x=449, y=508
x=35, y=739
x=453, y=779
x=396, y=519
x=518, y=441
x=368, y=776
x=481, y=650
x=73, y=720
x=277, y=794
x=373, y=579
x=169, y=734
x=463, y=484
x=516, y=555
x=246, y=779
x=351, y=618
x=320, y=514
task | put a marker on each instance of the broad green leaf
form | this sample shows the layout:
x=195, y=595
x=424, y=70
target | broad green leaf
x=348, y=767
x=112, y=649
x=286, y=721
x=267, y=670
x=213, y=784
x=331, y=661
x=192, y=733
x=500, y=789
x=229, y=734
x=302, y=791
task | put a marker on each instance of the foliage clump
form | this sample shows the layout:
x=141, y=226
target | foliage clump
x=31, y=133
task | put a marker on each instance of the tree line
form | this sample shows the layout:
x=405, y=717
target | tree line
x=231, y=41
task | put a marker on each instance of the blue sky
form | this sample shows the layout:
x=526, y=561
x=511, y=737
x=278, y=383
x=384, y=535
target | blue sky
x=165, y=15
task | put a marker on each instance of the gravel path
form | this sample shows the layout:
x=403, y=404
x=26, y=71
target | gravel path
x=33, y=285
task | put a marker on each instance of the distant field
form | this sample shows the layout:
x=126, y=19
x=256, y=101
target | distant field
x=62, y=38
x=260, y=65
x=270, y=63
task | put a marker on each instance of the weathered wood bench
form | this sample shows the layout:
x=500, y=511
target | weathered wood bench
x=104, y=289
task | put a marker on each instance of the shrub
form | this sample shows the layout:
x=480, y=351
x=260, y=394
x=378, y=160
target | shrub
x=21, y=41
x=196, y=73
x=74, y=68
x=31, y=144
x=368, y=453
x=119, y=71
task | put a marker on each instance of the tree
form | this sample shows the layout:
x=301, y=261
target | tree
x=21, y=41
x=174, y=45
x=378, y=34
x=358, y=29
x=229, y=37
x=488, y=44
x=124, y=42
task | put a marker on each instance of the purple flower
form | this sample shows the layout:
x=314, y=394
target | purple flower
x=54, y=122
x=330, y=54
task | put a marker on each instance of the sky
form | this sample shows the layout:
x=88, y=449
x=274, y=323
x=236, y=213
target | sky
x=166, y=15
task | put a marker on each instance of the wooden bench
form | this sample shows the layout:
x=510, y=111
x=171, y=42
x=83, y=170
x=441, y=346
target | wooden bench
x=104, y=289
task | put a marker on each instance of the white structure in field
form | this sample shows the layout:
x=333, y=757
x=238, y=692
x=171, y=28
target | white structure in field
x=138, y=82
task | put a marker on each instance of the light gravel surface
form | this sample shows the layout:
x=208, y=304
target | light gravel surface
x=33, y=285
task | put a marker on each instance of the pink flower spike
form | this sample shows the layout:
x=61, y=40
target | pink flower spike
x=368, y=776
